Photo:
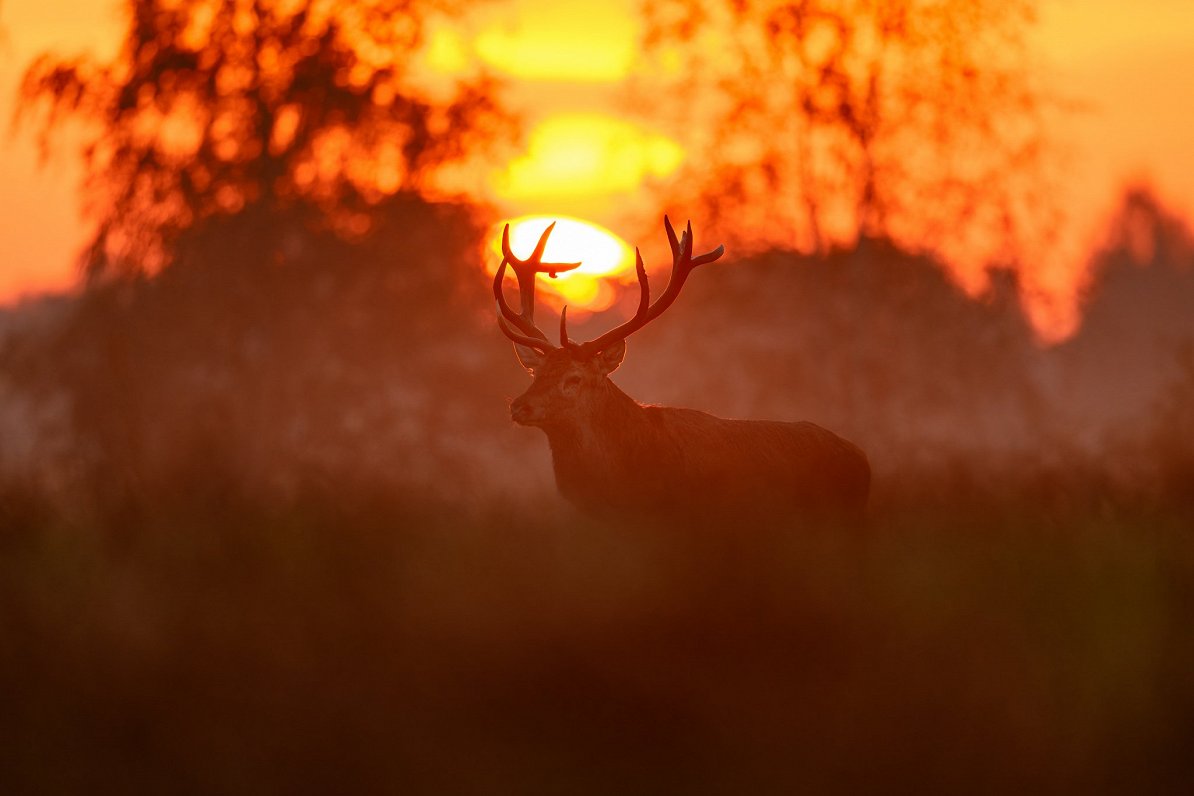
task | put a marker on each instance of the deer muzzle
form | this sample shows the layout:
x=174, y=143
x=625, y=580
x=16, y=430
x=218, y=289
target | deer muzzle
x=523, y=412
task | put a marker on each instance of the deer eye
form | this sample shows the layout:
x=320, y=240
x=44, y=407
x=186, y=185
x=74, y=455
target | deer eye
x=570, y=383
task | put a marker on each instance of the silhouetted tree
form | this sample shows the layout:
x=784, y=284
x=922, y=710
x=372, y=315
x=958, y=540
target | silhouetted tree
x=217, y=106
x=360, y=364
x=284, y=288
x=839, y=119
x=1136, y=321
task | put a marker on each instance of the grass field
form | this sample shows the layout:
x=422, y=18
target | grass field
x=212, y=644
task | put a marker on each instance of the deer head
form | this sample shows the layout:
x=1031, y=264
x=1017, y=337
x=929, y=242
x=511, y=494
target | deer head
x=570, y=378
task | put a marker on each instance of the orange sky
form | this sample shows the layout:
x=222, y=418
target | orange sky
x=567, y=59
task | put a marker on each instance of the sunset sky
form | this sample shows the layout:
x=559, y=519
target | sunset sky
x=567, y=63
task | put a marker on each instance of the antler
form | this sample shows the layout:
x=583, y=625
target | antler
x=683, y=264
x=525, y=332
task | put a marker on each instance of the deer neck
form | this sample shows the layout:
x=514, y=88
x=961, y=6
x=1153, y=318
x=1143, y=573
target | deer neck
x=591, y=450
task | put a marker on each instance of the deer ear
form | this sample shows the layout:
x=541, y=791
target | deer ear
x=609, y=358
x=529, y=358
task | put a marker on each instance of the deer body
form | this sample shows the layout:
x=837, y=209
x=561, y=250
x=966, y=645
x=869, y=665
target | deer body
x=614, y=457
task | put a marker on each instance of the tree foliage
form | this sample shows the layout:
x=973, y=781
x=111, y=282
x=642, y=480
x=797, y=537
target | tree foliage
x=216, y=106
x=914, y=120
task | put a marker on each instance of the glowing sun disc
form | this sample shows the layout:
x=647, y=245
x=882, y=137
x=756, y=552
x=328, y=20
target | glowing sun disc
x=602, y=254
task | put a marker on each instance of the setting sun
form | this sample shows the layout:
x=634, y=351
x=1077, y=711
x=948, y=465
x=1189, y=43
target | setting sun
x=602, y=254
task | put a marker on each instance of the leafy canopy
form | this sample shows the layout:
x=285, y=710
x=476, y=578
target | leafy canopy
x=826, y=121
x=217, y=106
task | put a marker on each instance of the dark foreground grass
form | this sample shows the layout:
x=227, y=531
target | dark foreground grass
x=211, y=645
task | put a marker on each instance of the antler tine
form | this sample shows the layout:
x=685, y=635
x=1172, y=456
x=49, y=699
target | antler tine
x=625, y=329
x=709, y=257
x=541, y=346
x=635, y=323
x=682, y=265
x=671, y=237
x=524, y=271
x=564, y=341
x=534, y=264
x=504, y=310
x=644, y=289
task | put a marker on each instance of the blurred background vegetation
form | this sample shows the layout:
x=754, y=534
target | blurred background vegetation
x=266, y=525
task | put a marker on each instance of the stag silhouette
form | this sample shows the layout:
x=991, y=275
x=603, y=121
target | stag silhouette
x=616, y=458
